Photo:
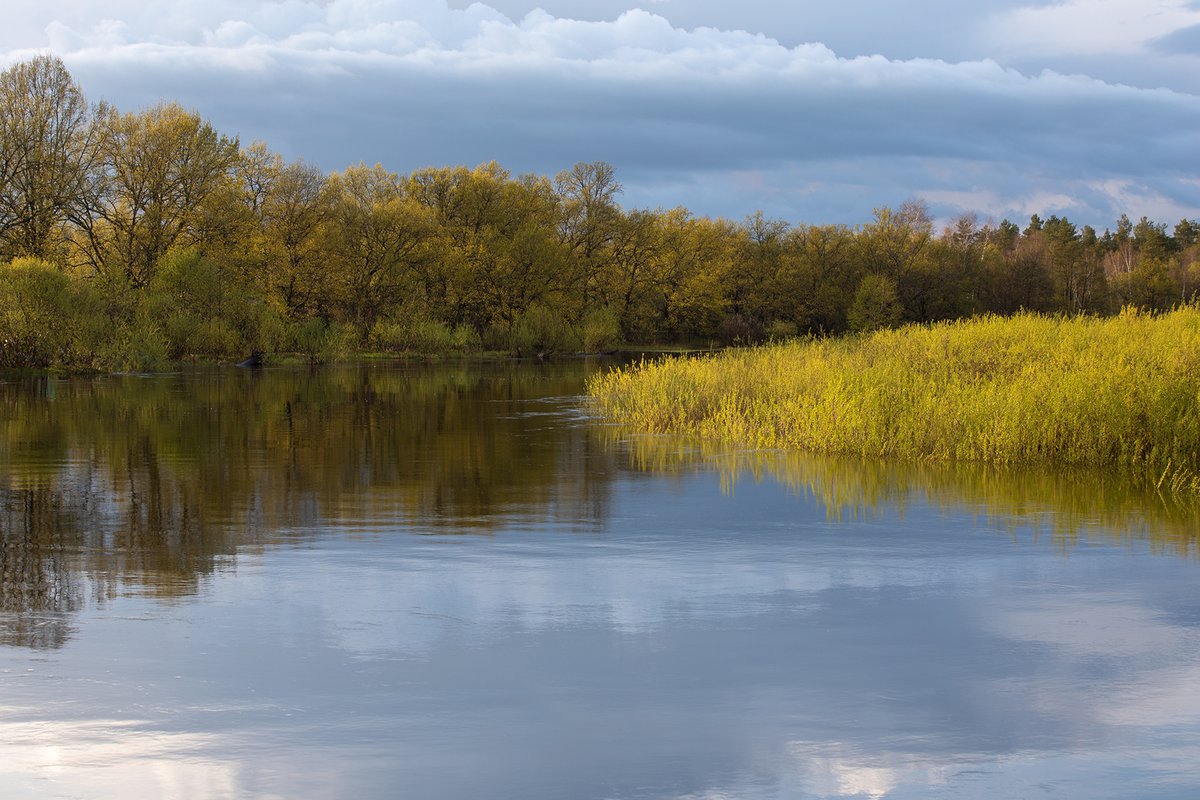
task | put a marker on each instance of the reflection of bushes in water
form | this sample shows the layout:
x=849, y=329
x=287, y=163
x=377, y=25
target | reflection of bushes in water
x=1072, y=504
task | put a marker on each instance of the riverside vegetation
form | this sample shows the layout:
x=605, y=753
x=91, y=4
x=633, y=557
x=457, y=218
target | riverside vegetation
x=132, y=240
x=1121, y=392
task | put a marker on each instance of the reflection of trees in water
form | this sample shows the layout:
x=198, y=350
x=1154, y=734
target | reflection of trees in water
x=38, y=585
x=1072, y=505
x=153, y=483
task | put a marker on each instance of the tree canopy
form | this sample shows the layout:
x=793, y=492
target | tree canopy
x=150, y=236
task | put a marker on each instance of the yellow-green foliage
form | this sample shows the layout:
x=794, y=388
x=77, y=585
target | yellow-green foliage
x=1123, y=391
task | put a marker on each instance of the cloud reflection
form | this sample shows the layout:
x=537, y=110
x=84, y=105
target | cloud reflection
x=107, y=758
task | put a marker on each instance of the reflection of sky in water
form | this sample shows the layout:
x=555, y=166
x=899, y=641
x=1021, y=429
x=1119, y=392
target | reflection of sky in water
x=737, y=647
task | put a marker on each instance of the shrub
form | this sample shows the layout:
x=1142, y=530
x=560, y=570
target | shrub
x=137, y=345
x=876, y=304
x=543, y=332
x=47, y=319
x=422, y=335
x=1121, y=392
x=782, y=329
x=321, y=342
x=601, y=330
x=738, y=329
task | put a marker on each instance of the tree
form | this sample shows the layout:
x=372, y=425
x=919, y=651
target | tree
x=1187, y=233
x=636, y=244
x=478, y=213
x=295, y=211
x=589, y=217
x=227, y=226
x=689, y=274
x=754, y=293
x=381, y=238
x=156, y=168
x=1014, y=274
x=47, y=147
x=895, y=245
x=1073, y=261
x=516, y=259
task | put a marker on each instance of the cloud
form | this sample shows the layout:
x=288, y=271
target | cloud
x=1184, y=41
x=725, y=113
x=1092, y=27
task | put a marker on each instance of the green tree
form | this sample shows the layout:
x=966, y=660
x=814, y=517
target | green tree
x=689, y=274
x=381, y=239
x=296, y=210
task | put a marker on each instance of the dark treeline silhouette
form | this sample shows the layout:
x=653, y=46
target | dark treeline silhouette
x=130, y=240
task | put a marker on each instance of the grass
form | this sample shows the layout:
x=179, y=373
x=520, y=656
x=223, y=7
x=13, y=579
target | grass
x=1118, y=392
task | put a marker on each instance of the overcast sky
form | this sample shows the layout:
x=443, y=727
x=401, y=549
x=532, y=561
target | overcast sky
x=810, y=111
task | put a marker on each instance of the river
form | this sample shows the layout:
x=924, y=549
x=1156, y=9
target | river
x=448, y=581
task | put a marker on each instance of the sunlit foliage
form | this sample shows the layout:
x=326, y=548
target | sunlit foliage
x=1121, y=392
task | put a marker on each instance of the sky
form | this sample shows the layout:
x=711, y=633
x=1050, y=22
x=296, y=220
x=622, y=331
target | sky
x=812, y=112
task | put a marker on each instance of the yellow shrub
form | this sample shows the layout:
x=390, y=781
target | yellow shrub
x=1123, y=391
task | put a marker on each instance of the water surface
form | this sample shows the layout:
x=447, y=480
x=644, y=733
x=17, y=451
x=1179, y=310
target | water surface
x=447, y=581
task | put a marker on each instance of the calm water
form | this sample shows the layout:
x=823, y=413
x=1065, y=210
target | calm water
x=447, y=582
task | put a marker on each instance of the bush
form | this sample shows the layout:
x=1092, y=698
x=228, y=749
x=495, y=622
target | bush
x=136, y=345
x=320, y=342
x=738, y=329
x=601, y=330
x=217, y=338
x=542, y=332
x=47, y=319
x=1121, y=392
x=782, y=329
x=200, y=309
x=270, y=330
x=419, y=334
x=876, y=305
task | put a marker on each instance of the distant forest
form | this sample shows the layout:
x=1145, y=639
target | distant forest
x=132, y=240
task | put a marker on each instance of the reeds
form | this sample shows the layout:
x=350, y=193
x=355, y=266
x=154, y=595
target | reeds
x=1121, y=392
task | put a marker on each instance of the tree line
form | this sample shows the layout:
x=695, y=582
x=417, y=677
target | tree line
x=132, y=239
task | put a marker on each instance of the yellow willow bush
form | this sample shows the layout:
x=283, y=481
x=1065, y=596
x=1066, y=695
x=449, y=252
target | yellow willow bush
x=1123, y=391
